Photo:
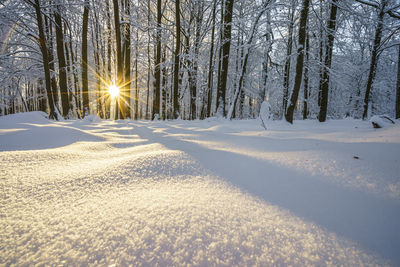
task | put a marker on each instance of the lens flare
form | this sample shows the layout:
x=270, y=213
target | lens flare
x=113, y=90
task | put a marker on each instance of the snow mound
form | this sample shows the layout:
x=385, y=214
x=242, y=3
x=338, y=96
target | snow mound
x=28, y=117
x=205, y=193
x=91, y=118
x=32, y=130
x=147, y=205
x=265, y=114
x=380, y=121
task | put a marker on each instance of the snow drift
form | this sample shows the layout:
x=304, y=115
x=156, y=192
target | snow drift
x=199, y=193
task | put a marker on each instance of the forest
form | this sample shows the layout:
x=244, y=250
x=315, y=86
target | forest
x=163, y=59
x=199, y=133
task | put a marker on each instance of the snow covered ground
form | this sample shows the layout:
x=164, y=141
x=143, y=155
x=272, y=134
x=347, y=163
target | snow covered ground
x=203, y=193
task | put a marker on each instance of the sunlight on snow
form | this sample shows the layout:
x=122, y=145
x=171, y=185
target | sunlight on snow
x=125, y=200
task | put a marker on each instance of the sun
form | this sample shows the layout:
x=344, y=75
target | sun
x=113, y=90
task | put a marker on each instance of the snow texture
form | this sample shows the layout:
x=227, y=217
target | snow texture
x=209, y=193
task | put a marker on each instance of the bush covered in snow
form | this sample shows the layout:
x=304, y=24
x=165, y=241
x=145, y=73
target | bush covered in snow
x=380, y=121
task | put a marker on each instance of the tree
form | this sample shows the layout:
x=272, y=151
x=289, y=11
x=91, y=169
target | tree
x=328, y=61
x=157, y=63
x=43, y=48
x=61, y=62
x=85, y=82
x=126, y=96
x=398, y=87
x=306, y=78
x=211, y=62
x=190, y=58
x=175, y=109
x=226, y=44
x=382, y=11
x=299, y=62
x=286, y=77
x=121, y=108
x=246, y=57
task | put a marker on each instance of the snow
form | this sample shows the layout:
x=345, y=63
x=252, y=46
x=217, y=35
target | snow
x=202, y=193
x=265, y=114
x=380, y=121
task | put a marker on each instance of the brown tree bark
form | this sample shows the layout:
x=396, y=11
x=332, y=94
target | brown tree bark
x=62, y=66
x=299, y=63
x=175, y=109
x=43, y=48
x=226, y=44
x=374, y=58
x=120, y=63
x=286, y=75
x=398, y=87
x=207, y=109
x=328, y=62
x=306, y=79
x=126, y=97
x=85, y=82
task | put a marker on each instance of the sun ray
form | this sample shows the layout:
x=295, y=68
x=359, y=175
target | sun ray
x=121, y=99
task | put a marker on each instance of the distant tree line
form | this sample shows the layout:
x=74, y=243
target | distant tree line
x=200, y=58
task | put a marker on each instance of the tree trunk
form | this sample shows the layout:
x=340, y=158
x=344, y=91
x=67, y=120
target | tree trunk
x=68, y=71
x=246, y=57
x=268, y=49
x=54, y=88
x=175, y=109
x=321, y=52
x=163, y=111
x=328, y=62
x=226, y=44
x=126, y=97
x=85, y=82
x=398, y=87
x=61, y=62
x=96, y=53
x=148, y=61
x=77, y=91
x=306, y=78
x=374, y=58
x=157, y=63
x=194, y=69
x=43, y=48
x=299, y=63
x=136, y=112
x=120, y=64
x=109, y=52
x=286, y=76
x=211, y=62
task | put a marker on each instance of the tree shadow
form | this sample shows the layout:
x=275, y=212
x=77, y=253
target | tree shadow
x=370, y=221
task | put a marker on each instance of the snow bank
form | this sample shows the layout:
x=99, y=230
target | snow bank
x=29, y=131
x=29, y=117
x=92, y=118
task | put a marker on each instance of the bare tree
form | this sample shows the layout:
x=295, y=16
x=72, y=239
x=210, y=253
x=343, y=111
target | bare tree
x=299, y=62
x=85, y=82
x=226, y=44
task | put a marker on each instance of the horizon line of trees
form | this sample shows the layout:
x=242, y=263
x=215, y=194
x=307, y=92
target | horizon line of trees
x=201, y=58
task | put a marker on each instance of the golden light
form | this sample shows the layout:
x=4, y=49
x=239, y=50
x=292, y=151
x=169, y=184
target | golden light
x=113, y=90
